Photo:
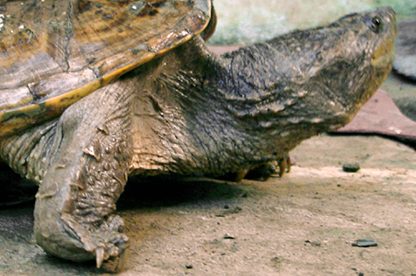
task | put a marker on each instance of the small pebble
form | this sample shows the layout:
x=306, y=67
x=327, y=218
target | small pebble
x=313, y=243
x=364, y=243
x=351, y=167
x=228, y=237
x=189, y=266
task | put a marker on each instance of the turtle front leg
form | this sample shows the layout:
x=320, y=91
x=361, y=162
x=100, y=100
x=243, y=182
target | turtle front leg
x=75, y=208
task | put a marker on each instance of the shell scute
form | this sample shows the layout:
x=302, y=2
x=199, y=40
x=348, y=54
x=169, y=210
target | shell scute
x=52, y=53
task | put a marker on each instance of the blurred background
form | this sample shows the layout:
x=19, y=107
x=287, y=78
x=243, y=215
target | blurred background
x=247, y=21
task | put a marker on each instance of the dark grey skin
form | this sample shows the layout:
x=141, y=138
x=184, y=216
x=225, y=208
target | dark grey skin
x=190, y=113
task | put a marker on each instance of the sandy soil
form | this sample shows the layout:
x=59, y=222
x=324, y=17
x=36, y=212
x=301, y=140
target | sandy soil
x=302, y=224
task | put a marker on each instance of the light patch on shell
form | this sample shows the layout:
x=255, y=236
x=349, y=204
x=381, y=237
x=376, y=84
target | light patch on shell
x=140, y=48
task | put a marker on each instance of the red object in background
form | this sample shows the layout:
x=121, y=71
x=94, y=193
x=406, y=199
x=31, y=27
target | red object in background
x=380, y=115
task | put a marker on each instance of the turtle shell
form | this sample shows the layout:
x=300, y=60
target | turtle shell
x=54, y=52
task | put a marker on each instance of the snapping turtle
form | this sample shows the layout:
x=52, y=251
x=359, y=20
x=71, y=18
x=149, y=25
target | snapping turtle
x=92, y=92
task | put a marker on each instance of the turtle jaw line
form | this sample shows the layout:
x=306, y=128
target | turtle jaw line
x=381, y=61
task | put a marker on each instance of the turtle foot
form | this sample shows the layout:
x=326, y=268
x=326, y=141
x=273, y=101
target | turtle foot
x=106, y=241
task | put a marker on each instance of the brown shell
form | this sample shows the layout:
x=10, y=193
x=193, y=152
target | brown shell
x=54, y=52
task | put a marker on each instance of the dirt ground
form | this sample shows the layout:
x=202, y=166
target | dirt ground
x=301, y=224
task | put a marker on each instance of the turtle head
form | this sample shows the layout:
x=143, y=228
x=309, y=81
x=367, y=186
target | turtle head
x=311, y=81
x=368, y=48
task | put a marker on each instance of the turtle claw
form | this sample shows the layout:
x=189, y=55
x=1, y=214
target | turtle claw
x=106, y=242
x=111, y=260
x=110, y=245
x=99, y=254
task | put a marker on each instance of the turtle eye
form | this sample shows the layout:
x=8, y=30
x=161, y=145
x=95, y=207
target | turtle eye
x=376, y=24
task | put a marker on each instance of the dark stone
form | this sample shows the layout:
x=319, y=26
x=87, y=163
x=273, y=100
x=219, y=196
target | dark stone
x=228, y=237
x=364, y=243
x=351, y=167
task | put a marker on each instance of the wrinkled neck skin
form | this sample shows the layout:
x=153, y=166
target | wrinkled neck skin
x=221, y=115
x=189, y=124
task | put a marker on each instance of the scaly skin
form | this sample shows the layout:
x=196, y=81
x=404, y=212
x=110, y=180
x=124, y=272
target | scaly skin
x=191, y=114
